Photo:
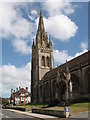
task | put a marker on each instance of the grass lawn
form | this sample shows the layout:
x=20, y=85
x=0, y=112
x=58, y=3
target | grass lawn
x=74, y=108
x=79, y=107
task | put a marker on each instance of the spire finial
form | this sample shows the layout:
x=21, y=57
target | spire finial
x=41, y=23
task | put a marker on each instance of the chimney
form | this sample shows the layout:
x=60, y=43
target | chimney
x=19, y=87
x=27, y=89
x=16, y=89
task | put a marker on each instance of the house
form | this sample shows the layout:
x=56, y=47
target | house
x=20, y=96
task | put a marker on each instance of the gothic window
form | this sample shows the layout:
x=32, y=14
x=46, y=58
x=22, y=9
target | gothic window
x=43, y=61
x=47, y=61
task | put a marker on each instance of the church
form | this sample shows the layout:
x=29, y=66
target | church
x=67, y=82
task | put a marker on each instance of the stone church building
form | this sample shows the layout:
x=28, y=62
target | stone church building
x=67, y=82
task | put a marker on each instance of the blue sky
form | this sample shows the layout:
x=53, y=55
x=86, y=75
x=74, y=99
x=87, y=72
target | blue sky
x=67, y=23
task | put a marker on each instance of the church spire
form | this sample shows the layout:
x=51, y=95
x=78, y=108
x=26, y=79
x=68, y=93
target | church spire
x=41, y=23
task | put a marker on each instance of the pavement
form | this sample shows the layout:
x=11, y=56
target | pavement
x=9, y=113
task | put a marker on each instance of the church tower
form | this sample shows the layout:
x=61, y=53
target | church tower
x=42, y=58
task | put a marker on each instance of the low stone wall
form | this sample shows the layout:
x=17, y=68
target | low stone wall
x=56, y=113
x=16, y=108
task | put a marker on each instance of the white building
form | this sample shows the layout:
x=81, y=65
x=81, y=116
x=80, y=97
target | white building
x=20, y=96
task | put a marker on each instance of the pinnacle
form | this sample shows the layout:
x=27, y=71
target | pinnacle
x=67, y=66
x=50, y=39
x=40, y=13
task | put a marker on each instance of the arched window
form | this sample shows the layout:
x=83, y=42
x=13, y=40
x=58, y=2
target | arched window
x=47, y=61
x=43, y=61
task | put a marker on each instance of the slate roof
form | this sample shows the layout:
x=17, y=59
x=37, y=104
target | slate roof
x=21, y=91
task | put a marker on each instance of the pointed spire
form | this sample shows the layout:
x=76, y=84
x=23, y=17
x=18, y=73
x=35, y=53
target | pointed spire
x=41, y=36
x=41, y=23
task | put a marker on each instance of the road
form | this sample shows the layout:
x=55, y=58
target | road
x=11, y=115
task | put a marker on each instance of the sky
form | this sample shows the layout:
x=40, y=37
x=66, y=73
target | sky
x=65, y=22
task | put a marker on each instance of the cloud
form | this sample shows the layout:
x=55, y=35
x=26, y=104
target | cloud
x=58, y=7
x=22, y=47
x=60, y=27
x=84, y=46
x=34, y=12
x=13, y=77
x=58, y=24
x=13, y=23
x=15, y=27
x=33, y=15
x=61, y=56
x=22, y=29
x=80, y=53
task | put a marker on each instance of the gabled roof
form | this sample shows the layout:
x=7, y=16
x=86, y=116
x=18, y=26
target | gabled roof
x=21, y=91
